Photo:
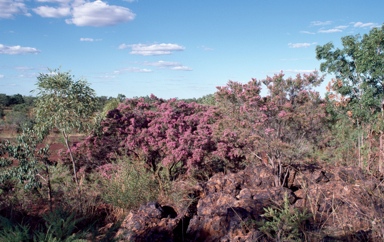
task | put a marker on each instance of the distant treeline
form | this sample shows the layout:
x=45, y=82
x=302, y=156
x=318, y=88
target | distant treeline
x=7, y=101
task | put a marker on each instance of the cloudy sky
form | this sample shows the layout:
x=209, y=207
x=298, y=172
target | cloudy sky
x=171, y=48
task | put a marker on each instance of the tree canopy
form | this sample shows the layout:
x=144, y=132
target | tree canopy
x=359, y=70
x=63, y=103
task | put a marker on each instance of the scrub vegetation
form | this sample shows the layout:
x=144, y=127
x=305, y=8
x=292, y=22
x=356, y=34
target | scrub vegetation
x=117, y=154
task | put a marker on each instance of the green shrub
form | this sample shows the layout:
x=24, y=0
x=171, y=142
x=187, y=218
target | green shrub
x=127, y=184
x=13, y=233
x=61, y=224
x=284, y=223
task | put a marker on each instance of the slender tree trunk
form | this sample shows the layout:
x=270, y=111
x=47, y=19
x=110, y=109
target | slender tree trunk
x=381, y=154
x=66, y=139
x=359, y=143
x=49, y=188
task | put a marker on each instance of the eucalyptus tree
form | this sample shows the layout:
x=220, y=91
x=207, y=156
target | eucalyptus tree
x=358, y=68
x=64, y=104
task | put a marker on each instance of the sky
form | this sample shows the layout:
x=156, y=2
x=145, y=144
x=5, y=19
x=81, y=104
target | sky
x=171, y=48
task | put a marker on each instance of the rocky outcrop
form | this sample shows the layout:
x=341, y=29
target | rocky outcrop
x=343, y=205
x=152, y=222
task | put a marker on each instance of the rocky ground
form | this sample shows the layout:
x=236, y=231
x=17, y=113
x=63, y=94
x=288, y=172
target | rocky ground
x=339, y=203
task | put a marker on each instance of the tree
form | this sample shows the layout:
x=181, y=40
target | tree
x=4, y=100
x=16, y=99
x=64, y=104
x=357, y=92
x=284, y=127
x=359, y=71
x=207, y=100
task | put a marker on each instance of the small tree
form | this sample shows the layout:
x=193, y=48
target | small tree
x=359, y=85
x=64, y=104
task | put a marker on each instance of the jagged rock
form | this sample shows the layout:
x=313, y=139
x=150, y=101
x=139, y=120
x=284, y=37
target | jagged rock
x=151, y=222
x=230, y=202
x=230, y=206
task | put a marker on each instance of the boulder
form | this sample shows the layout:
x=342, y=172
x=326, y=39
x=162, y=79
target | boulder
x=341, y=203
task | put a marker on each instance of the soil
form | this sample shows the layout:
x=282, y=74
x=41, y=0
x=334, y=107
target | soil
x=56, y=145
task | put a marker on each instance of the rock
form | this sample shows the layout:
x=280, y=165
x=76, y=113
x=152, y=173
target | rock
x=151, y=222
x=230, y=206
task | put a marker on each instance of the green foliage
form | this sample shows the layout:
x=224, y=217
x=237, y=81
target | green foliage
x=19, y=119
x=63, y=103
x=16, y=99
x=21, y=108
x=359, y=71
x=66, y=105
x=207, y=100
x=7, y=101
x=355, y=97
x=61, y=226
x=13, y=233
x=285, y=223
x=29, y=100
x=127, y=184
x=4, y=99
x=24, y=168
x=28, y=159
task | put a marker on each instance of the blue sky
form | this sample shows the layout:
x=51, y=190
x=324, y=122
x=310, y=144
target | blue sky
x=170, y=48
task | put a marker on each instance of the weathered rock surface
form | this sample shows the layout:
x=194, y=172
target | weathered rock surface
x=344, y=205
x=151, y=222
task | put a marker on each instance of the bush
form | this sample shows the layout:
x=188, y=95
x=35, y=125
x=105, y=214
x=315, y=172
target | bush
x=60, y=225
x=169, y=133
x=127, y=184
x=13, y=233
x=284, y=223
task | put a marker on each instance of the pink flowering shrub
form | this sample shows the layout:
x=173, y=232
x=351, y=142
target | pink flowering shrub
x=285, y=125
x=171, y=133
x=282, y=127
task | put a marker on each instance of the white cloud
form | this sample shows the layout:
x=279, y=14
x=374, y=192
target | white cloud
x=155, y=49
x=55, y=1
x=162, y=63
x=341, y=27
x=9, y=8
x=205, y=48
x=169, y=65
x=365, y=25
x=320, y=23
x=17, y=50
x=336, y=29
x=98, y=14
x=306, y=32
x=299, y=71
x=50, y=12
x=1, y=76
x=89, y=39
x=181, y=68
x=300, y=45
x=132, y=69
x=329, y=31
x=123, y=46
